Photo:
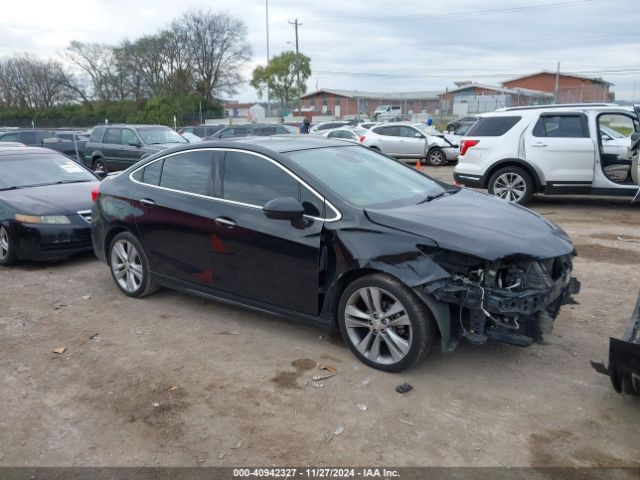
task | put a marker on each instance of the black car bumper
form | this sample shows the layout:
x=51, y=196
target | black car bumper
x=472, y=181
x=50, y=242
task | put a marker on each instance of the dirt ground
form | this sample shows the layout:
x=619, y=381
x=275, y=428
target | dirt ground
x=176, y=380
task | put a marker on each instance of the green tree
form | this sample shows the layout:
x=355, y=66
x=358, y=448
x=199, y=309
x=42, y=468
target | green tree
x=285, y=76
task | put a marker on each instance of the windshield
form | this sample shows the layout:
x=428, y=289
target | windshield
x=31, y=170
x=155, y=135
x=426, y=129
x=366, y=179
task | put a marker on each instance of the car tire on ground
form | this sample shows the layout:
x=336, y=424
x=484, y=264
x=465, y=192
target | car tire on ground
x=384, y=324
x=130, y=267
x=99, y=164
x=513, y=184
x=436, y=157
x=7, y=253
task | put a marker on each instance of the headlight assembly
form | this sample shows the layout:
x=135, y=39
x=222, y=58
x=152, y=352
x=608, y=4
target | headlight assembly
x=44, y=219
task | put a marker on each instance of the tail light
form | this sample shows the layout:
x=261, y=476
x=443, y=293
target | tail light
x=466, y=145
x=94, y=193
x=362, y=137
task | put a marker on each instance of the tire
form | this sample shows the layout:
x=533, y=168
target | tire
x=436, y=157
x=99, y=165
x=7, y=253
x=513, y=184
x=395, y=348
x=130, y=267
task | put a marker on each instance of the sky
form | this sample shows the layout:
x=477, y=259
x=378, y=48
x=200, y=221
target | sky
x=372, y=45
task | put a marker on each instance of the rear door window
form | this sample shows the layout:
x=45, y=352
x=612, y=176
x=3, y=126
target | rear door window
x=561, y=126
x=189, y=172
x=113, y=136
x=492, y=126
x=28, y=138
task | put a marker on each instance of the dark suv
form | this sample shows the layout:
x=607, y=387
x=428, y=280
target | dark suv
x=201, y=130
x=61, y=140
x=117, y=147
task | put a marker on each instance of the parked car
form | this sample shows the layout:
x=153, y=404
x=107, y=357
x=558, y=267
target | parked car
x=555, y=149
x=411, y=140
x=190, y=137
x=60, y=141
x=335, y=234
x=250, y=129
x=201, y=131
x=458, y=133
x=318, y=128
x=368, y=125
x=456, y=124
x=387, y=112
x=292, y=129
x=355, y=135
x=118, y=146
x=45, y=205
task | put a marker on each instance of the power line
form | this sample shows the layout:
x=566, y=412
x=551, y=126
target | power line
x=509, y=10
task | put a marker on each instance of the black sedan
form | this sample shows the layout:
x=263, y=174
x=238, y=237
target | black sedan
x=339, y=235
x=45, y=205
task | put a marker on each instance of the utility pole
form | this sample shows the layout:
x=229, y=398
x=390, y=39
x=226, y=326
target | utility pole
x=557, y=89
x=296, y=24
x=268, y=56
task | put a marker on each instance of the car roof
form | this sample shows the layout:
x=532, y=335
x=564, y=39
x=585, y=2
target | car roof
x=567, y=107
x=279, y=143
x=129, y=125
x=15, y=150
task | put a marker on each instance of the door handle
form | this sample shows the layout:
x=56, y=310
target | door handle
x=225, y=222
x=147, y=202
x=539, y=144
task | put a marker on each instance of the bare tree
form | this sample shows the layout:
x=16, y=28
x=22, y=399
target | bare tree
x=217, y=48
x=97, y=61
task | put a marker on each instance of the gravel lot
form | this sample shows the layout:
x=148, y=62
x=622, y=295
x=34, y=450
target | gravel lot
x=177, y=380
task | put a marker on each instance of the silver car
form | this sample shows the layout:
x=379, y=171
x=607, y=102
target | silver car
x=355, y=134
x=412, y=140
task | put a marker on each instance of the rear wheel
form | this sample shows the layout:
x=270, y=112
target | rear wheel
x=7, y=254
x=436, y=157
x=384, y=324
x=513, y=184
x=99, y=165
x=130, y=267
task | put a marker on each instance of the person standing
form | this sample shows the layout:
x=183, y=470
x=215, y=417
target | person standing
x=304, y=128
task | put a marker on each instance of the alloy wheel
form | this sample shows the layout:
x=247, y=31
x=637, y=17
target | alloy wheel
x=4, y=244
x=436, y=157
x=510, y=186
x=126, y=265
x=378, y=325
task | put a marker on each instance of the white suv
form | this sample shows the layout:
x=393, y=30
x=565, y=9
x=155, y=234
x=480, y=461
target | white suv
x=553, y=149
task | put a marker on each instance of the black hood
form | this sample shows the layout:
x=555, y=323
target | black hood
x=65, y=199
x=480, y=225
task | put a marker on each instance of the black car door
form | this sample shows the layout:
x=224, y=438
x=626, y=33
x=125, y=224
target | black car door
x=272, y=261
x=175, y=212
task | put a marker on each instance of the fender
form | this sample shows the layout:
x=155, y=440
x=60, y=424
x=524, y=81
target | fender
x=484, y=180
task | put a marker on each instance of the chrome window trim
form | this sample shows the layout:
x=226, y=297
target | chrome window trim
x=335, y=218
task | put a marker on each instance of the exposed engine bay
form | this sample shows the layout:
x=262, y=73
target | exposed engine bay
x=512, y=300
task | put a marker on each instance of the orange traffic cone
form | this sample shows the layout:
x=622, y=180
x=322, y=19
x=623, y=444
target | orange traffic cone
x=418, y=164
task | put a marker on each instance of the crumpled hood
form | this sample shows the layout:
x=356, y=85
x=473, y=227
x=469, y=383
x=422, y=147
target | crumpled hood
x=66, y=199
x=480, y=225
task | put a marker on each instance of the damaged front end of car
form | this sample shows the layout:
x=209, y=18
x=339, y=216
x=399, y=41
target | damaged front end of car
x=513, y=300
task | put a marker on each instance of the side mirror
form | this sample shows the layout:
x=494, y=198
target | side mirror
x=134, y=144
x=606, y=138
x=285, y=208
x=101, y=174
x=418, y=135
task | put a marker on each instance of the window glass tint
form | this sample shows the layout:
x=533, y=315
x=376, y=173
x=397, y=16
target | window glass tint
x=565, y=126
x=10, y=137
x=492, y=126
x=199, y=131
x=408, y=132
x=268, y=131
x=281, y=131
x=113, y=135
x=28, y=138
x=128, y=137
x=253, y=180
x=151, y=174
x=188, y=172
x=97, y=134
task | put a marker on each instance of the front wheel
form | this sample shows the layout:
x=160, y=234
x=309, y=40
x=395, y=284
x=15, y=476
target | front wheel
x=130, y=267
x=513, y=184
x=7, y=254
x=384, y=324
x=436, y=157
